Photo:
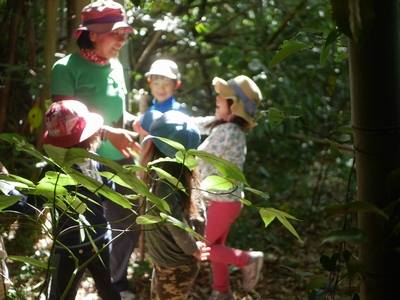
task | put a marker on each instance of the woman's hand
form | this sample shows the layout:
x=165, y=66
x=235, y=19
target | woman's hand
x=203, y=251
x=123, y=140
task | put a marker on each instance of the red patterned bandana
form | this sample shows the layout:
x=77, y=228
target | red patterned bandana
x=90, y=55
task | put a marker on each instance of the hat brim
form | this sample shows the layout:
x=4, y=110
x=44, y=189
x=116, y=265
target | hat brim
x=93, y=123
x=222, y=87
x=105, y=27
x=165, y=74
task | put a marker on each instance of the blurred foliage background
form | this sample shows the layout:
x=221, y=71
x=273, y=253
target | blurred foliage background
x=300, y=153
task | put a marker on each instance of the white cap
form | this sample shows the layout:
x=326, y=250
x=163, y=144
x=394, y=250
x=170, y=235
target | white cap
x=164, y=67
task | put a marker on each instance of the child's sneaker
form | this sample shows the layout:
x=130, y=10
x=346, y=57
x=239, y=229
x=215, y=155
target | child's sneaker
x=251, y=271
x=127, y=295
x=217, y=295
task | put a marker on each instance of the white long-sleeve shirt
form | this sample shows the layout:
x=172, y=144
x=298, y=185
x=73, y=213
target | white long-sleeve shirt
x=227, y=141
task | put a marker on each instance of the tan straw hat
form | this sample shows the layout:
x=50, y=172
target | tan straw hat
x=245, y=94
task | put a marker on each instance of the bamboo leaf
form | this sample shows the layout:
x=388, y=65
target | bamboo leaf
x=261, y=194
x=28, y=260
x=245, y=202
x=168, y=177
x=7, y=201
x=17, y=181
x=289, y=47
x=332, y=37
x=148, y=219
x=269, y=214
x=275, y=116
x=216, y=183
x=161, y=160
x=134, y=182
x=355, y=206
x=180, y=224
x=173, y=144
x=186, y=159
x=289, y=227
x=267, y=217
x=226, y=168
x=353, y=235
x=97, y=187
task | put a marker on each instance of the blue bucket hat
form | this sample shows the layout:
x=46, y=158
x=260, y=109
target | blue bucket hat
x=176, y=126
x=148, y=118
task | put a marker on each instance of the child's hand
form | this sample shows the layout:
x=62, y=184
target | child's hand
x=203, y=252
x=123, y=140
x=139, y=129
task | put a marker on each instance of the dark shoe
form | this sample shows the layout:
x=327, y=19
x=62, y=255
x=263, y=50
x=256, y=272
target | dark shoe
x=127, y=295
x=251, y=271
x=217, y=295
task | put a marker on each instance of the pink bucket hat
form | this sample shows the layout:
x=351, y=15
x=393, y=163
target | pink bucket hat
x=103, y=16
x=69, y=122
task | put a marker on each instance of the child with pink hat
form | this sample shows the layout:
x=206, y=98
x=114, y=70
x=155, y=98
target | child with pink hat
x=70, y=124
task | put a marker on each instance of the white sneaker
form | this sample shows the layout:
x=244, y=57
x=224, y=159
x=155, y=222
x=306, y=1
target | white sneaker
x=127, y=295
x=251, y=271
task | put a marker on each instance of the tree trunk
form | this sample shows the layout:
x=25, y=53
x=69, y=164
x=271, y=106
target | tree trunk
x=12, y=46
x=74, y=18
x=51, y=36
x=375, y=91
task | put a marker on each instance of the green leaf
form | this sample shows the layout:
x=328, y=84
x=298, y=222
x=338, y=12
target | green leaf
x=275, y=116
x=354, y=207
x=245, y=202
x=7, y=201
x=56, y=153
x=161, y=160
x=29, y=261
x=215, y=183
x=261, y=194
x=173, y=144
x=201, y=28
x=226, y=168
x=58, y=178
x=269, y=214
x=332, y=37
x=289, y=47
x=353, y=235
x=21, y=144
x=134, y=168
x=181, y=225
x=114, y=178
x=136, y=184
x=317, y=282
x=168, y=177
x=47, y=188
x=97, y=187
x=188, y=160
x=289, y=227
x=17, y=181
x=76, y=204
x=148, y=219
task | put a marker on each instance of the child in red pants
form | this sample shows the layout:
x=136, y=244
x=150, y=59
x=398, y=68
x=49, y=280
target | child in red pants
x=236, y=105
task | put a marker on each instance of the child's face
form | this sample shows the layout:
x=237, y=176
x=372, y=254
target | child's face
x=162, y=88
x=109, y=44
x=222, y=109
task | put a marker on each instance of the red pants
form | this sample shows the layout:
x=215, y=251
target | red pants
x=220, y=217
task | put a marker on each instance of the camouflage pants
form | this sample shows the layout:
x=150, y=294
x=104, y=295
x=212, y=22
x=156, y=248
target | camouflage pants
x=173, y=283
